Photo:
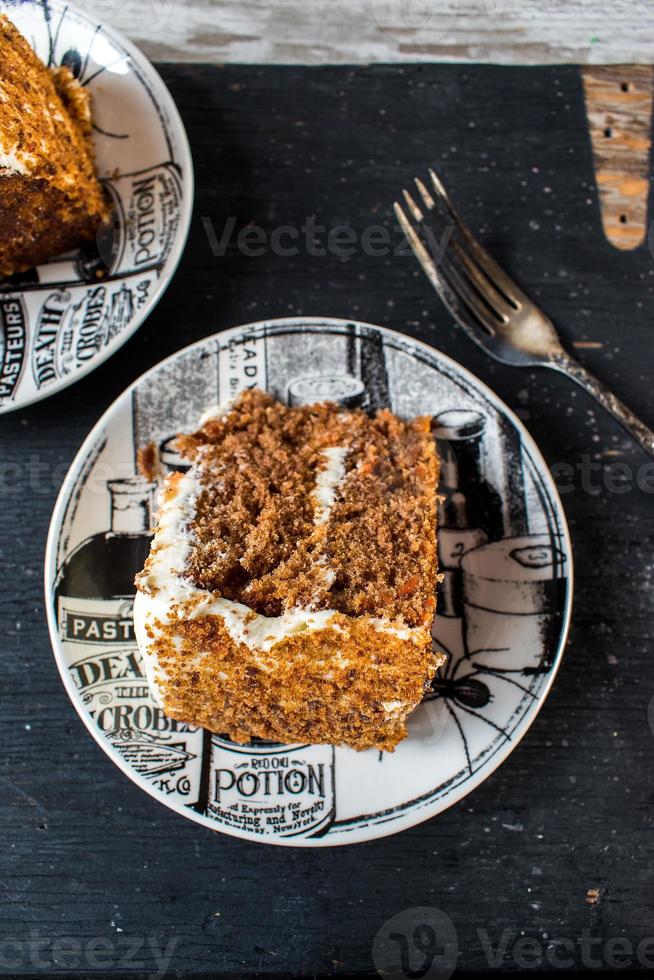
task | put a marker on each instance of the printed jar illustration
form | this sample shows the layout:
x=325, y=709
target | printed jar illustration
x=268, y=789
x=344, y=389
x=520, y=577
x=104, y=565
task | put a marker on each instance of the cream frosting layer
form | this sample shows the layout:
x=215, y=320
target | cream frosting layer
x=328, y=480
x=14, y=162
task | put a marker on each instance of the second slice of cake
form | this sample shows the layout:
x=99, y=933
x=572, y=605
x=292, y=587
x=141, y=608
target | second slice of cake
x=290, y=591
x=50, y=197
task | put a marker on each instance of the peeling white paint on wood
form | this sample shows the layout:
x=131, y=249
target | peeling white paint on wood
x=316, y=32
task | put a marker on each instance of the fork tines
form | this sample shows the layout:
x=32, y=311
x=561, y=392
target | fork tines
x=475, y=289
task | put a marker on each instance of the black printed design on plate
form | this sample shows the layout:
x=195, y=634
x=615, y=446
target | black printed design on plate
x=502, y=551
x=75, y=308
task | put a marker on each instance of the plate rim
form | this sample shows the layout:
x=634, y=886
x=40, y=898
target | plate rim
x=173, y=259
x=410, y=818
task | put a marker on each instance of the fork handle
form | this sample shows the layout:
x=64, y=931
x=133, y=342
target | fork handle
x=637, y=429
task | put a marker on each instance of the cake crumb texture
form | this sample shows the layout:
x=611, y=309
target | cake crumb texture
x=314, y=528
x=256, y=536
x=346, y=685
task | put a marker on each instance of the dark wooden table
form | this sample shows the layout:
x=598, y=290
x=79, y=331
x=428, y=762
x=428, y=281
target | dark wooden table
x=99, y=879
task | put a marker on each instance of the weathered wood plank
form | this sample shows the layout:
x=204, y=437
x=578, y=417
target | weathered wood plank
x=316, y=32
x=619, y=108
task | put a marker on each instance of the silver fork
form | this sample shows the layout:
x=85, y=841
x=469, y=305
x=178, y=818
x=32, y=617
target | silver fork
x=487, y=303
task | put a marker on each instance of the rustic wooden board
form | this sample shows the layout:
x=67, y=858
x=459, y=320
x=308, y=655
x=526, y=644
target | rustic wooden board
x=619, y=109
x=341, y=32
x=90, y=861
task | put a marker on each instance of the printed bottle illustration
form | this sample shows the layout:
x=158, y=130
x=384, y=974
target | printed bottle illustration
x=470, y=512
x=104, y=565
x=95, y=598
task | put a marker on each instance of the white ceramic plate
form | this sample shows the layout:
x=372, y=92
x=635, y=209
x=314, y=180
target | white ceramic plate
x=61, y=320
x=504, y=606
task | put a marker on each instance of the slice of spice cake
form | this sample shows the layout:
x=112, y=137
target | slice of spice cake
x=50, y=198
x=290, y=591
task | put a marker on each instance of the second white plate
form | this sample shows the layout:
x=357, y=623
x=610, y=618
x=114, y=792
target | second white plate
x=62, y=319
